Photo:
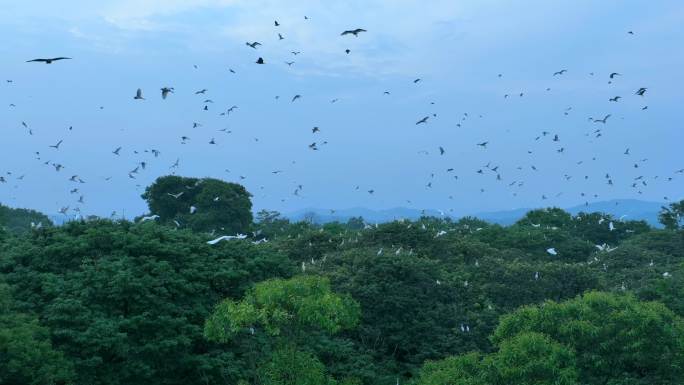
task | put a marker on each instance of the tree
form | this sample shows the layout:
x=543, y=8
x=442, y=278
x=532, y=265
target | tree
x=288, y=310
x=616, y=338
x=18, y=221
x=356, y=223
x=282, y=307
x=672, y=217
x=126, y=303
x=26, y=352
x=467, y=369
x=549, y=217
x=526, y=359
x=289, y=366
x=532, y=359
x=200, y=204
x=270, y=224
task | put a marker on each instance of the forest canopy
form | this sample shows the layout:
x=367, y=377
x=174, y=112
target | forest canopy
x=432, y=301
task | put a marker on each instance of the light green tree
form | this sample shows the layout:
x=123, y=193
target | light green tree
x=286, y=310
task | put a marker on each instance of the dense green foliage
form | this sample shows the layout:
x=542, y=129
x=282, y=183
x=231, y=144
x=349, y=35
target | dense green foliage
x=672, y=217
x=19, y=221
x=430, y=302
x=200, y=204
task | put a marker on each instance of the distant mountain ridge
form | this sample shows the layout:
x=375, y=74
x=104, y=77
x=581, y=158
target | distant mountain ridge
x=629, y=209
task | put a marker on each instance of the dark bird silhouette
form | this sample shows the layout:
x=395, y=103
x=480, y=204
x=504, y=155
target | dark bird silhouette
x=602, y=120
x=56, y=146
x=280, y=37
x=424, y=120
x=641, y=91
x=116, y=151
x=561, y=72
x=289, y=63
x=48, y=61
x=354, y=32
x=315, y=130
x=615, y=99
x=441, y=150
x=276, y=23
x=614, y=74
x=260, y=61
x=417, y=80
x=253, y=45
x=165, y=91
x=347, y=51
x=483, y=144
x=138, y=95
x=296, y=97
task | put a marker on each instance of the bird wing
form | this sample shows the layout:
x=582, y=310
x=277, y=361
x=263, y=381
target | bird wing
x=36, y=60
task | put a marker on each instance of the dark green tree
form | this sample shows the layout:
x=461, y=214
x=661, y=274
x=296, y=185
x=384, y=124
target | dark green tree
x=672, y=217
x=26, y=352
x=126, y=303
x=18, y=221
x=200, y=204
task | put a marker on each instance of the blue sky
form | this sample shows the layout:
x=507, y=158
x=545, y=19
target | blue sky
x=457, y=48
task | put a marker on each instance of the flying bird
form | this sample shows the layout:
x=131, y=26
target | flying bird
x=227, y=238
x=561, y=72
x=48, y=61
x=253, y=45
x=138, y=95
x=260, y=61
x=602, y=120
x=641, y=91
x=354, y=32
x=165, y=91
x=422, y=121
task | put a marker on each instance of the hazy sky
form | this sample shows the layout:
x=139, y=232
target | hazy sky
x=457, y=48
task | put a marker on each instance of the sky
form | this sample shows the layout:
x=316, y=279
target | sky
x=368, y=140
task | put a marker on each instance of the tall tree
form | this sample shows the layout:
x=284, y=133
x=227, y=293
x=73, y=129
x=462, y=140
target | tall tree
x=26, y=352
x=617, y=339
x=672, y=217
x=288, y=311
x=200, y=204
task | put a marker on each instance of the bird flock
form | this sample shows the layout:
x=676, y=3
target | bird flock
x=501, y=170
